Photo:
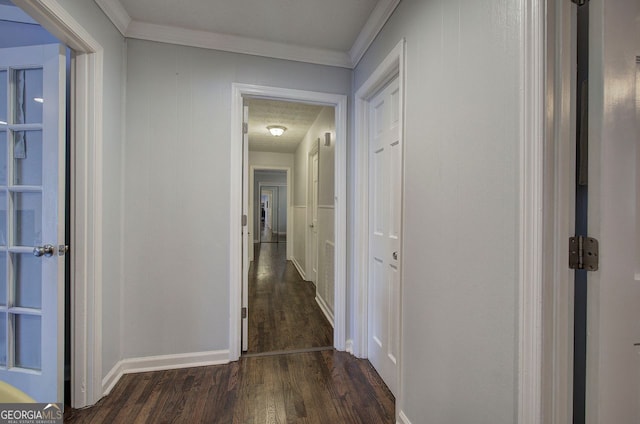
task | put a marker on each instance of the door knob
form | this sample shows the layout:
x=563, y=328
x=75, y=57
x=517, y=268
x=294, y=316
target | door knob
x=395, y=256
x=46, y=250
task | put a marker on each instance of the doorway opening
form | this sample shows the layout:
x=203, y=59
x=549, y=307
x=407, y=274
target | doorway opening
x=297, y=222
x=288, y=307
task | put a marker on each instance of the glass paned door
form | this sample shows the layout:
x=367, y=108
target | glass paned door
x=32, y=142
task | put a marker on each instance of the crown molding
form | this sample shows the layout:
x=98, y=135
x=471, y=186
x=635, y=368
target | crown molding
x=116, y=13
x=379, y=16
x=208, y=40
x=236, y=44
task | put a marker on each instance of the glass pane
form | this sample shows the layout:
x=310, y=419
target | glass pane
x=3, y=157
x=28, y=96
x=28, y=223
x=27, y=280
x=3, y=98
x=27, y=157
x=3, y=279
x=3, y=339
x=3, y=218
x=27, y=331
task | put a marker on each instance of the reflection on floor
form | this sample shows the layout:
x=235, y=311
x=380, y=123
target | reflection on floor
x=283, y=313
x=267, y=235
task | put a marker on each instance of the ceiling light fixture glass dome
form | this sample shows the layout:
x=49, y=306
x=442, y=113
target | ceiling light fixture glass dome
x=276, y=130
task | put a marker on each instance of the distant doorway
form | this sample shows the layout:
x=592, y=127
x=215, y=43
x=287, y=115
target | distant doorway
x=272, y=217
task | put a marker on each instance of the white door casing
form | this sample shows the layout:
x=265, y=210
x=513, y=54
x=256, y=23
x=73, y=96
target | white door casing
x=391, y=67
x=339, y=102
x=385, y=217
x=245, y=229
x=32, y=190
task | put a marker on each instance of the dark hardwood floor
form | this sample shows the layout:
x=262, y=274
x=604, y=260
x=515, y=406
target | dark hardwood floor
x=283, y=313
x=315, y=387
x=321, y=386
x=268, y=236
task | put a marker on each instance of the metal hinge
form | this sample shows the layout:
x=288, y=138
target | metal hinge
x=244, y=220
x=583, y=253
x=244, y=313
x=245, y=128
x=579, y=2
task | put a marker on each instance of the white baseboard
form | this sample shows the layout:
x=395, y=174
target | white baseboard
x=325, y=309
x=298, y=267
x=348, y=346
x=160, y=363
x=403, y=418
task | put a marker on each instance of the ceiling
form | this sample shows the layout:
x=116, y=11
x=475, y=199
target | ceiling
x=328, y=32
x=296, y=117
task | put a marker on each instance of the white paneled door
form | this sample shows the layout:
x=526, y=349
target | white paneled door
x=613, y=291
x=32, y=154
x=385, y=221
x=314, y=176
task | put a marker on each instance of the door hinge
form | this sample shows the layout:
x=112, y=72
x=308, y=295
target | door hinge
x=244, y=220
x=245, y=128
x=583, y=253
x=244, y=312
x=579, y=2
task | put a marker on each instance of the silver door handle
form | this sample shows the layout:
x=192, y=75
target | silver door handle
x=46, y=250
x=395, y=256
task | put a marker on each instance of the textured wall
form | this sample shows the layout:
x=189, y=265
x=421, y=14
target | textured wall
x=461, y=194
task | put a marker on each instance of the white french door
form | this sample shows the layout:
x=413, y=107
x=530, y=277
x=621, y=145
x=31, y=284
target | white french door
x=385, y=222
x=32, y=232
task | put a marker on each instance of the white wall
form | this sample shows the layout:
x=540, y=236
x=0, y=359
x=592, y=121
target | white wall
x=460, y=275
x=325, y=122
x=177, y=178
x=87, y=14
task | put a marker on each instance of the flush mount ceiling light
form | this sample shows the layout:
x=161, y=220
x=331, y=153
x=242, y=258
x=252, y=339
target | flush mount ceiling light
x=276, y=130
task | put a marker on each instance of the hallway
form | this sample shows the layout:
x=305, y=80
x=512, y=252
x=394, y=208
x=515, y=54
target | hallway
x=283, y=313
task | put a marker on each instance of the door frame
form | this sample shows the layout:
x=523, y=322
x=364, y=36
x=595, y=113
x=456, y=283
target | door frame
x=558, y=214
x=393, y=65
x=339, y=103
x=252, y=211
x=86, y=196
x=268, y=184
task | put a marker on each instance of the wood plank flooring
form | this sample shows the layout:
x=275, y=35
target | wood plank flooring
x=323, y=386
x=283, y=313
x=315, y=388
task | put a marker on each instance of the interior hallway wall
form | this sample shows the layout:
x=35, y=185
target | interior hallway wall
x=177, y=187
x=325, y=122
x=460, y=249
